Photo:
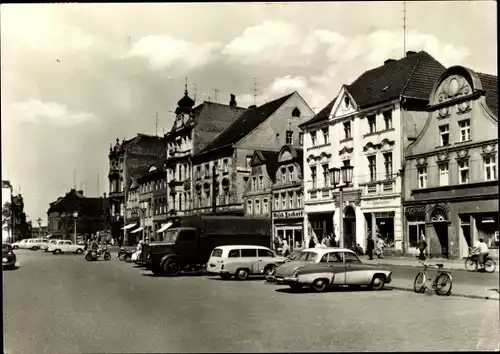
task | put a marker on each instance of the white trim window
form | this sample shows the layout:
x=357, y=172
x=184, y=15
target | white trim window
x=464, y=130
x=283, y=175
x=254, y=183
x=326, y=137
x=422, y=177
x=463, y=172
x=283, y=200
x=277, y=201
x=257, y=207
x=314, y=176
x=444, y=177
x=290, y=200
x=490, y=168
x=347, y=130
x=261, y=182
x=299, y=200
x=313, y=138
x=249, y=207
x=372, y=166
x=291, y=172
x=388, y=119
x=265, y=206
x=372, y=123
x=444, y=134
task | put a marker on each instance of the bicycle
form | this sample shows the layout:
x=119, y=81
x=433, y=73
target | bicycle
x=441, y=283
x=471, y=264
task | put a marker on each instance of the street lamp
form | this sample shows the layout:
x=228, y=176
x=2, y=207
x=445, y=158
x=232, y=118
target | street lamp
x=335, y=180
x=143, y=210
x=75, y=215
x=39, y=220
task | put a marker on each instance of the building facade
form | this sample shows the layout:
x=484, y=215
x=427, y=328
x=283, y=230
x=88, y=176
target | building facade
x=222, y=169
x=133, y=211
x=372, y=121
x=127, y=160
x=451, y=169
x=288, y=199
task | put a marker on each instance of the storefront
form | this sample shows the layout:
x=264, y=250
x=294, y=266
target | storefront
x=320, y=225
x=288, y=226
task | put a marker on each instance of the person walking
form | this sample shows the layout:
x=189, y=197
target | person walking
x=422, y=245
x=370, y=245
x=380, y=246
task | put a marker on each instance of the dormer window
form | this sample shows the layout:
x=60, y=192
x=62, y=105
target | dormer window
x=292, y=174
x=283, y=175
x=295, y=112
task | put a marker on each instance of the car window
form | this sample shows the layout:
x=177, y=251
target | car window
x=217, y=252
x=265, y=253
x=351, y=258
x=249, y=252
x=308, y=256
x=234, y=254
x=67, y=243
x=60, y=243
x=187, y=236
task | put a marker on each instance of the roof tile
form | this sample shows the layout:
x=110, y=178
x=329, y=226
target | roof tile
x=322, y=115
x=490, y=85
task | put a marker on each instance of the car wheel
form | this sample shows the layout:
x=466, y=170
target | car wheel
x=79, y=250
x=319, y=285
x=378, y=282
x=225, y=276
x=172, y=267
x=242, y=274
x=269, y=270
x=15, y=247
x=34, y=248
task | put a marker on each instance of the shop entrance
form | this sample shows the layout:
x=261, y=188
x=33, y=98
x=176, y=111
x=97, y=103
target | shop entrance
x=349, y=227
x=440, y=223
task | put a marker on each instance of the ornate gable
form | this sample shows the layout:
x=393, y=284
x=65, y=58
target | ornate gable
x=344, y=105
x=257, y=159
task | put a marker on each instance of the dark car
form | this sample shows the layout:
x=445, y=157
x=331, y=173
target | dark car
x=8, y=257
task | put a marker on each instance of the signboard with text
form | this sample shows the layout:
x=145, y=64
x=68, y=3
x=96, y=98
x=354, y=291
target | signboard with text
x=288, y=214
x=415, y=210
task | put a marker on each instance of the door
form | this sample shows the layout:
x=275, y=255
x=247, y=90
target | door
x=354, y=274
x=67, y=246
x=186, y=247
x=336, y=266
x=349, y=227
x=442, y=235
x=265, y=257
x=249, y=257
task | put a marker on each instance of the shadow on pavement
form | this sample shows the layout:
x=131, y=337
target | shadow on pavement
x=330, y=290
x=236, y=280
x=182, y=275
x=10, y=269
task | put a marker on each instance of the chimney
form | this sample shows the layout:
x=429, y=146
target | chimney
x=232, y=102
x=389, y=61
x=410, y=52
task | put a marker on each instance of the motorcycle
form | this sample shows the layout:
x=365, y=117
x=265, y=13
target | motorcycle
x=94, y=255
x=125, y=254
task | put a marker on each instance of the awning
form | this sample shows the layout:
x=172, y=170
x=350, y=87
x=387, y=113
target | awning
x=129, y=226
x=136, y=230
x=164, y=227
x=49, y=235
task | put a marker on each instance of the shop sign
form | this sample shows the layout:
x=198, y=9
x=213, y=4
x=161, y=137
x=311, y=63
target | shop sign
x=488, y=220
x=415, y=210
x=288, y=214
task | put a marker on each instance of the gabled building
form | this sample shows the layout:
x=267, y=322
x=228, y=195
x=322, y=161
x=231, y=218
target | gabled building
x=221, y=169
x=371, y=123
x=193, y=129
x=451, y=173
x=126, y=161
x=288, y=199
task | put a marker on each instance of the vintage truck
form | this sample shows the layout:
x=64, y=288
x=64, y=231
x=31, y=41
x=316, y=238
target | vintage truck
x=187, y=245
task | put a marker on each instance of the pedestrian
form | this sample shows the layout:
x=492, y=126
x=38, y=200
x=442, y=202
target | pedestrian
x=119, y=242
x=286, y=249
x=380, y=246
x=370, y=245
x=422, y=245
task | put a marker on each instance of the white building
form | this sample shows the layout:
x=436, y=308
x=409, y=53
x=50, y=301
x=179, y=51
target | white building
x=371, y=123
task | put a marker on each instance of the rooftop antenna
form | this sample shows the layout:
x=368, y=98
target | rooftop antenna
x=215, y=95
x=194, y=89
x=186, y=86
x=156, y=127
x=255, y=90
x=404, y=28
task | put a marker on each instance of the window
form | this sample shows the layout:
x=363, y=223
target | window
x=463, y=171
x=346, y=162
x=372, y=165
x=276, y=201
x=313, y=176
x=187, y=236
x=290, y=200
x=257, y=207
x=422, y=177
x=388, y=165
x=249, y=207
x=490, y=168
x=265, y=206
x=261, y=182
x=313, y=138
x=234, y=254
x=254, y=183
x=301, y=138
x=249, y=253
x=283, y=175
x=346, y=101
x=464, y=130
x=325, y=175
x=207, y=170
x=216, y=166
x=443, y=175
x=292, y=174
x=289, y=137
x=326, y=138
x=225, y=166
x=388, y=119
x=372, y=124
x=351, y=258
x=265, y=253
x=299, y=200
x=332, y=257
x=444, y=132
x=198, y=171
x=347, y=130
x=249, y=160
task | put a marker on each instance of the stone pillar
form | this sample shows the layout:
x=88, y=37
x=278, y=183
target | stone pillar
x=360, y=227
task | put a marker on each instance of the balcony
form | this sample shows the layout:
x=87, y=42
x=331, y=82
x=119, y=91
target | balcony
x=379, y=187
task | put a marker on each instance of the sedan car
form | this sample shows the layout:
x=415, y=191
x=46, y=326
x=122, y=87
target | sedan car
x=45, y=246
x=64, y=246
x=20, y=244
x=8, y=257
x=319, y=268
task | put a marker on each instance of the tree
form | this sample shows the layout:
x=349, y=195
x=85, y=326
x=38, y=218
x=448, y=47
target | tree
x=7, y=216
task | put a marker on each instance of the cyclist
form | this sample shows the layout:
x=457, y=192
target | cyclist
x=482, y=251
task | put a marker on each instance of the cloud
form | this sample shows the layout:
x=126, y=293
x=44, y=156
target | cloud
x=48, y=112
x=163, y=51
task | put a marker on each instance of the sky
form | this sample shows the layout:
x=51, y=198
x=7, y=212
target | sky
x=75, y=77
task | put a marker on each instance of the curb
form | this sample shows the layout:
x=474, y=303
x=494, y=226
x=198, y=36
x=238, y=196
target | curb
x=419, y=266
x=452, y=294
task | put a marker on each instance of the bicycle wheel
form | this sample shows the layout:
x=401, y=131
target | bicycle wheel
x=489, y=265
x=419, y=283
x=443, y=283
x=470, y=265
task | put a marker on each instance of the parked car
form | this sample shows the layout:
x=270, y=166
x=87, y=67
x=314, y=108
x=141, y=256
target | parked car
x=65, y=246
x=45, y=246
x=319, y=268
x=8, y=257
x=241, y=261
x=19, y=244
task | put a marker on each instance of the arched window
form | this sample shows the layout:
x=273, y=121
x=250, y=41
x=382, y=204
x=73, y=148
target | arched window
x=249, y=207
x=265, y=206
x=257, y=207
x=295, y=112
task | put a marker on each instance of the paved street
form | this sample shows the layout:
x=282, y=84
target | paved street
x=63, y=304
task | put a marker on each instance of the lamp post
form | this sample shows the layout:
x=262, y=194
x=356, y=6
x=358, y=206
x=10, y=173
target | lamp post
x=75, y=216
x=335, y=180
x=39, y=221
x=143, y=210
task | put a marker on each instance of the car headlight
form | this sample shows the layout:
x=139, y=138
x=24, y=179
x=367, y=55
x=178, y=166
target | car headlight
x=5, y=260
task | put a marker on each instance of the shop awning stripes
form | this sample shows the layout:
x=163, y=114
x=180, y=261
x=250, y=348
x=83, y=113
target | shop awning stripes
x=164, y=227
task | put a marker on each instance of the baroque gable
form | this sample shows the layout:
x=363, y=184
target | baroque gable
x=343, y=105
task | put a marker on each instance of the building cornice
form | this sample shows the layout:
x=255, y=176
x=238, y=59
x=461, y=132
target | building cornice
x=452, y=148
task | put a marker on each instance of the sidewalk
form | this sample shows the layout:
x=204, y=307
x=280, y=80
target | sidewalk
x=458, y=264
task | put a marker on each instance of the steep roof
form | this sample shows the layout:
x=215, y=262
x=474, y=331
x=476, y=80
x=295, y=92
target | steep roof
x=245, y=124
x=271, y=162
x=212, y=120
x=412, y=76
x=322, y=115
x=490, y=85
x=73, y=200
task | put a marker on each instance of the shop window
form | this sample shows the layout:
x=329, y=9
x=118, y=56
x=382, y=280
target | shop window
x=422, y=177
x=385, y=230
x=463, y=171
x=487, y=226
x=443, y=175
x=415, y=230
x=444, y=133
x=490, y=168
x=464, y=130
x=465, y=226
